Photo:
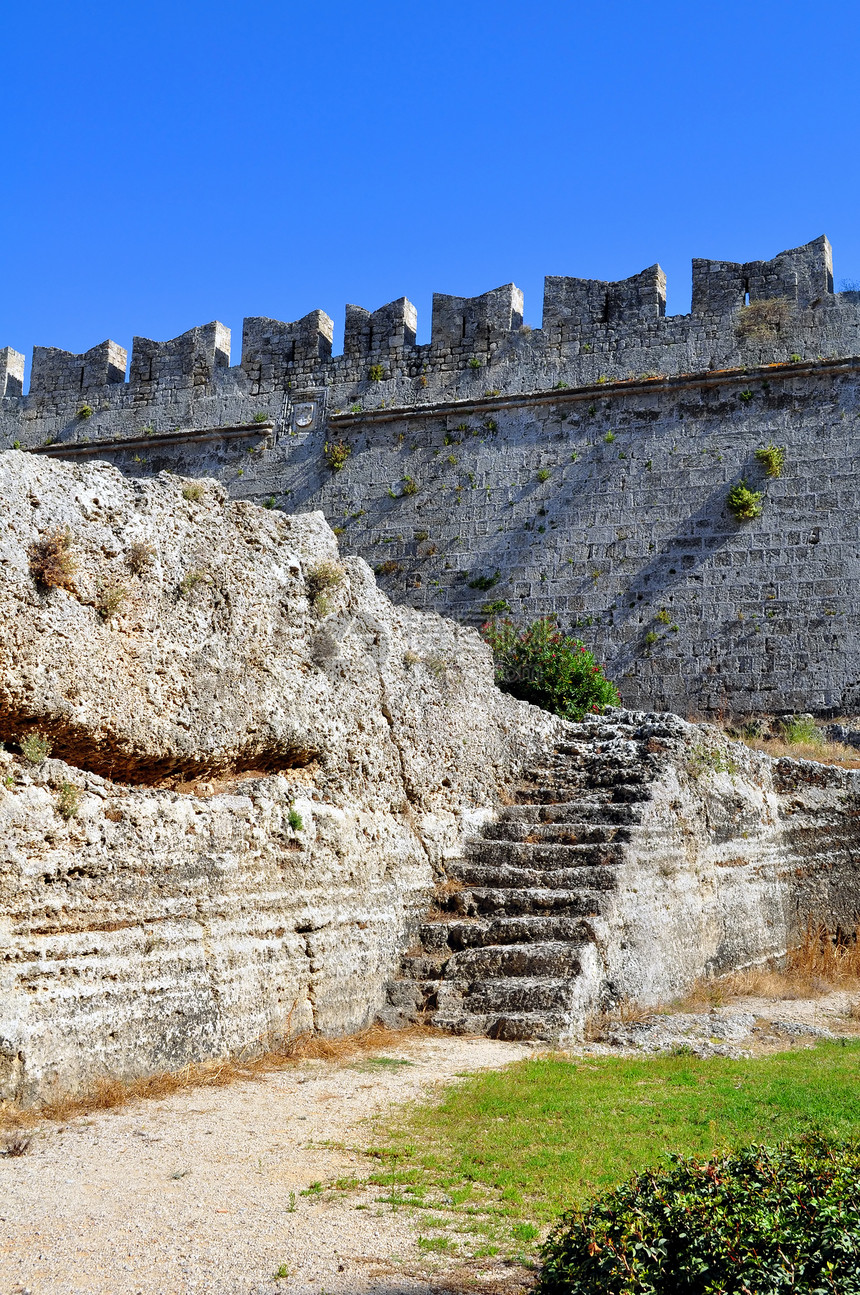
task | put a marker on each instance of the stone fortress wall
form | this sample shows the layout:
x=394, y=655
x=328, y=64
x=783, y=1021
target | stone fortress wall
x=581, y=468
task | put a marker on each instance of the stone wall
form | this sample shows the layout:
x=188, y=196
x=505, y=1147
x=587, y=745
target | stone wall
x=580, y=469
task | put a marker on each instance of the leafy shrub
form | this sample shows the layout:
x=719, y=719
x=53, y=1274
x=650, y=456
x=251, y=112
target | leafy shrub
x=744, y=503
x=761, y=1219
x=496, y=608
x=544, y=474
x=376, y=373
x=140, y=556
x=474, y=362
x=85, y=412
x=336, y=453
x=294, y=819
x=541, y=665
x=51, y=563
x=772, y=459
x=35, y=747
x=410, y=486
x=260, y=417
x=194, y=491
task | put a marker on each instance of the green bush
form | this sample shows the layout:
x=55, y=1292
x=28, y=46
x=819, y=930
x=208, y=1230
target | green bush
x=759, y=1221
x=541, y=665
x=801, y=729
x=772, y=459
x=743, y=502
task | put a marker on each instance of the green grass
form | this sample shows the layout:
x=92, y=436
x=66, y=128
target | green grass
x=503, y=1153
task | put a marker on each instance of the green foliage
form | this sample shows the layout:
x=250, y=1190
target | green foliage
x=651, y=637
x=496, y=608
x=797, y=729
x=260, y=417
x=491, y=425
x=16, y=445
x=294, y=819
x=609, y=437
x=69, y=800
x=485, y=582
x=270, y=502
x=336, y=453
x=764, y=1219
x=796, y=359
x=541, y=665
x=85, y=412
x=663, y=616
x=35, y=747
x=376, y=373
x=323, y=577
x=410, y=486
x=544, y=474
x=744, y=503
x=194, y=492
x=746, y=397
x=772, y=459
x=474, y=362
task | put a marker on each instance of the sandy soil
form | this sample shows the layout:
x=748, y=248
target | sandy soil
x=200, y=1193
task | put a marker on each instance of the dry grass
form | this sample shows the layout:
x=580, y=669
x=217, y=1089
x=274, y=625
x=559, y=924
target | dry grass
x=819, y=964
x=821, y=752
x=107, y=1094
x=51, y=563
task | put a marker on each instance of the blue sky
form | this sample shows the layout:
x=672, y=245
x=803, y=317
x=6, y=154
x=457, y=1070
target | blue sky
x=167, y=164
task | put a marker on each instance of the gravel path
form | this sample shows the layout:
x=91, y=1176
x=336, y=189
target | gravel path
x=199, y=1193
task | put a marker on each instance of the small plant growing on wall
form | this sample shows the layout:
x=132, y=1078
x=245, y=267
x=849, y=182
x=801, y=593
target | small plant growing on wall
x=261, y=417
x=761, y=321
x=485, y=582
x=410, y=486
x=294, y=819
x=541, y=665
x=51, y=563
x=140, y=556
x=388, y=568
x=111, y=601
x=544, y=474
x=772, y=459
x=35, y=747
x=69, y=800
x=376, y=373
x=193, y=492
x=336, y=454
x=474, y=362
x=496, y=608
x=85, y=412
x=743, y=503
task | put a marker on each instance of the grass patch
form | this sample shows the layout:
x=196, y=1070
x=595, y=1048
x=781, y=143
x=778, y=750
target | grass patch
x=516, y=1147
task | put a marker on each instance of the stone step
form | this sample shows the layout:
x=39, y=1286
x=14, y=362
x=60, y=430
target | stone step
x=556, y=958
x=441, y=938
x=524, y=994
x=516, y=901
x=564, y=833
x=575, y=812
x=508, y=875
x=549, y=1027
x=542, y=854
x=626, y=793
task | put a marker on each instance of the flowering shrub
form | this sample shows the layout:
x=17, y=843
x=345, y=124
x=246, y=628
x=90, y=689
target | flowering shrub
x=541, y=665
x=762, y=1220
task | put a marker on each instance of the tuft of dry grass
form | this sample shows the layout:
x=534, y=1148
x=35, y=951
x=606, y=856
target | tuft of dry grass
x=140, y=556
x=821, y=963
x=107, y=1093
x=51, y=563
x=821, y=752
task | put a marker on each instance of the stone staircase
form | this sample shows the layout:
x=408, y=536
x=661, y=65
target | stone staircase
x=512, y=945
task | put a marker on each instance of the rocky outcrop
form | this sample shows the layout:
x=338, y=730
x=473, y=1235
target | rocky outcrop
x=640, y=853
x=275, y=802
x=257, y=763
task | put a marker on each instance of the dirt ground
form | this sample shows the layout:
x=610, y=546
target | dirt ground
x=200, y=1193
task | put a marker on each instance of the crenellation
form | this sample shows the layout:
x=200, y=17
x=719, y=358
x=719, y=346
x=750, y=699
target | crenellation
x=475, y=322
x=11, y=372
x=190, y=360
x=391, y=327
x=54, y=370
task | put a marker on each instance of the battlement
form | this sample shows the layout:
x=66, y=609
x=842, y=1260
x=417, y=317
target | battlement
x=591, y=329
